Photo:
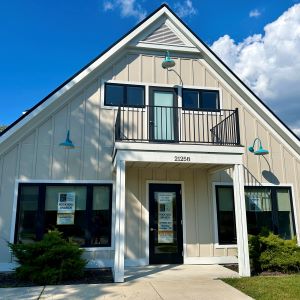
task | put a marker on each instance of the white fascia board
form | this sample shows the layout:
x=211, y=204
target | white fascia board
x=120, y=45
x=180, y=148
x=163, y=47
x=258, y=105
x=171, y=157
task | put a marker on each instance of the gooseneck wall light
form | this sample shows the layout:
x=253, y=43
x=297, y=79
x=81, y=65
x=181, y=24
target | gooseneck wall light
x=260, y=150
x=168, y=62
x=67, y=144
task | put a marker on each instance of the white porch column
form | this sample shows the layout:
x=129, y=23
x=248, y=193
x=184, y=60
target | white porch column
x=118, y=270
x=241, y=220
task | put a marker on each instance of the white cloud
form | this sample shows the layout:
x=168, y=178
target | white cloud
x=254, y=13
x=107, y=5
x=270, y=64
x=185, y=9
x=128, y=8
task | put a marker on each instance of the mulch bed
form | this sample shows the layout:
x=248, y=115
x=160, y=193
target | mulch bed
x=90, y=276
x=233, y=267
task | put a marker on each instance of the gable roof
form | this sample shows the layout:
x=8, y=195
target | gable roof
x=286, y=133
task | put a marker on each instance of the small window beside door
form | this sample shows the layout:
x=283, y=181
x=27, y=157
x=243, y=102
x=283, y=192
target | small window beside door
x=193, y=99
x=124, y=95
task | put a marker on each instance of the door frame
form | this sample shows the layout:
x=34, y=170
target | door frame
x=146, y=220
x=175, y=115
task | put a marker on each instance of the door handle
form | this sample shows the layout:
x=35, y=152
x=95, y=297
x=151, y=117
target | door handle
x=152, y=229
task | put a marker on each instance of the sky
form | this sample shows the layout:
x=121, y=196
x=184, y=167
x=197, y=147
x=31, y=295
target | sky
x=43, y=43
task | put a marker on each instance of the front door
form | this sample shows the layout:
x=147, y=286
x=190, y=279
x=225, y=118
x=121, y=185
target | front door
x=163, y=114
x=165, y=224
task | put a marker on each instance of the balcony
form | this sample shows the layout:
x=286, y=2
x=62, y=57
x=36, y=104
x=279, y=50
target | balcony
x=165, y=124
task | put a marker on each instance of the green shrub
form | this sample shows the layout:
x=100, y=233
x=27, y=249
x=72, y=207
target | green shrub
x=269, y=252
x=50, y=260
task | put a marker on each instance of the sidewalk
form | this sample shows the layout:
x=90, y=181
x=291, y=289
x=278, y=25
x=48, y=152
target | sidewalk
x=151, y=282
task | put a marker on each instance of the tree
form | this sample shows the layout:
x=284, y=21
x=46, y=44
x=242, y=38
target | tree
x=2, y=127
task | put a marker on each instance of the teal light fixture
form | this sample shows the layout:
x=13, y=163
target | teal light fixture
x=260, y=150
x=68, y=144
x=168, y=62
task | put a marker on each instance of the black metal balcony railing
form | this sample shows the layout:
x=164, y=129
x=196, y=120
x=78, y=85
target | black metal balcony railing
x=167, y=124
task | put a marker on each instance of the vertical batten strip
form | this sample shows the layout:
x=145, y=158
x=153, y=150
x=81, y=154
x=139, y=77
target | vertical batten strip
x=83, y=136
x=51, y=148
x=34, y=160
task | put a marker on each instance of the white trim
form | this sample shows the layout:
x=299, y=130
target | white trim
x=210, y=260
x=14, y=213
x=237, y=150
x=64, y=181
x=148, y=182
x=118, y=269
x=240, y=220
x=168, y=156
x=159, y=46
x=228, y=246
x=215, y=218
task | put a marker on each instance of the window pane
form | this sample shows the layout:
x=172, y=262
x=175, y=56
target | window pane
x=285, y=217
x=135, y=96
x=114, y=94
x=259, y=209
x=190, y=99
x=226, y=220
x=101, y=216
x=26, y=231
x=210, y=99
x=71, y=220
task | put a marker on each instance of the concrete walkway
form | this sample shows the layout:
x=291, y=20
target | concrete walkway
x=152, y=282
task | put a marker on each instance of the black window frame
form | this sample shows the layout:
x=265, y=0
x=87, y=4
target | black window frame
x=125, y=86
x=200, y=92
x=274, y=206
x=275, y=221
x=40, y=228
x=234, y=241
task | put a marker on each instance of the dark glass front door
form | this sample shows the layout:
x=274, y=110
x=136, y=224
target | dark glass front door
x=165, y=224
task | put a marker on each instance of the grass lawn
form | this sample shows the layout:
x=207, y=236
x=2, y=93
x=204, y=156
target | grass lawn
x=268, y=287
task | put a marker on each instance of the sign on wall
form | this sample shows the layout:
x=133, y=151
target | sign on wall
x=165, y=218
x=65, y=208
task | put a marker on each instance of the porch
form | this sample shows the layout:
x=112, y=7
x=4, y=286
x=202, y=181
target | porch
x=131, y=159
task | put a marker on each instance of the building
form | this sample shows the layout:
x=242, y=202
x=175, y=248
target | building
x=143, y=163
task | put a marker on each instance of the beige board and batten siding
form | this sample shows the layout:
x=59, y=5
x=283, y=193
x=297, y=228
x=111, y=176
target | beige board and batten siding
x=33, y=152
x=38, y=156
x=197, y=210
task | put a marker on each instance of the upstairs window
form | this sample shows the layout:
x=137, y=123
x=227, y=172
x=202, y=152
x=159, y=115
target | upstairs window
x=124, y=95
x=200, y=99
